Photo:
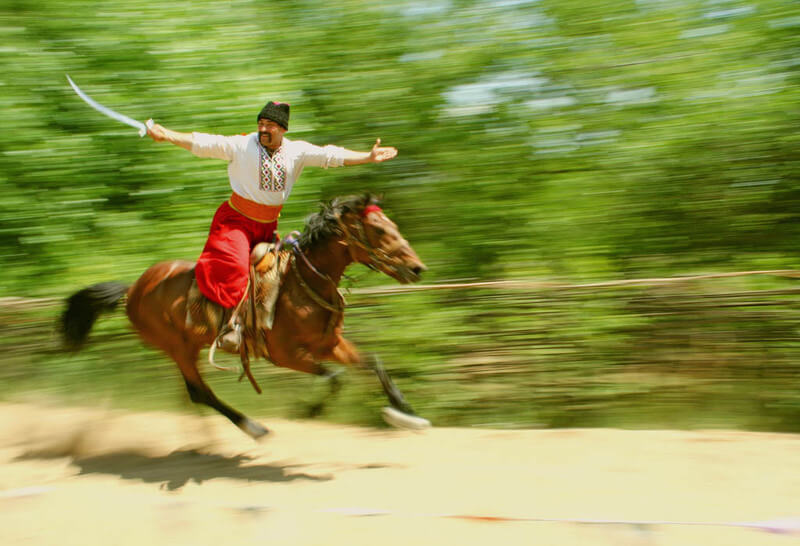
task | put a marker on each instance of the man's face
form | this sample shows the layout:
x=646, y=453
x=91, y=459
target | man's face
x=270, y=134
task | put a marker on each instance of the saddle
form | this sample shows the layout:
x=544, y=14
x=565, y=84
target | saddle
x=268, y=264
x=255, y=313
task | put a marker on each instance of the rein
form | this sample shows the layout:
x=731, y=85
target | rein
x=337, y=307
x=299, y=252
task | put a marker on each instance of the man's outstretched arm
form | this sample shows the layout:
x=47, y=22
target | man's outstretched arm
x=160, y=133
x=376, y=155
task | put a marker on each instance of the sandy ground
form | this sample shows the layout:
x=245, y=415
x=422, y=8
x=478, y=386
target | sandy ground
x=93, y=476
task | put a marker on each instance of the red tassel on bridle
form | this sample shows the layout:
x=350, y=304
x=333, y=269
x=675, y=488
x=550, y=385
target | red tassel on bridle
x=369, y=209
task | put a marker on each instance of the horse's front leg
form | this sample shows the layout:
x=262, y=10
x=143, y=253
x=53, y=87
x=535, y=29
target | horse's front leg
x=299, y=358
x=346, y=353
x=396, y=398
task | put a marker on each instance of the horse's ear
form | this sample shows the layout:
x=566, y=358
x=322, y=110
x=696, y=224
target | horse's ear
x=372, y=199
x=329, y=205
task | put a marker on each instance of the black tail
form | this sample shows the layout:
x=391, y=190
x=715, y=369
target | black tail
x=84, y=307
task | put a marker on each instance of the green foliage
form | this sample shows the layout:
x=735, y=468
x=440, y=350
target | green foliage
x=554, y=139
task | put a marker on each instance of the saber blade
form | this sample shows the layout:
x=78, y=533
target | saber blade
x=141, y=127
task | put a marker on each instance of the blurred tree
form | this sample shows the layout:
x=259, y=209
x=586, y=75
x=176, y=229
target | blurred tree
x=536, y=137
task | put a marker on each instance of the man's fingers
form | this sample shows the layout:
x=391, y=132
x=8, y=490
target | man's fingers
x=156, y=132
x=386, y=153
x=382, y=154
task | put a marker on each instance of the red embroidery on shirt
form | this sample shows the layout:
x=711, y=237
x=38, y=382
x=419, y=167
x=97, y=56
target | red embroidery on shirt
x=273, y=170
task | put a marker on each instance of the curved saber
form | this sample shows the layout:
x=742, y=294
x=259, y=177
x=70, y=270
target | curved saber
x=142, y=127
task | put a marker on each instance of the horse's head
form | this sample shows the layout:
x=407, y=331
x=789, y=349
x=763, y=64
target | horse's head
x=374, y=240
x=370, y=236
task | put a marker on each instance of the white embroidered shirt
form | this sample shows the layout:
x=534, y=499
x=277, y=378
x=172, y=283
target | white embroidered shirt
x=258, y=175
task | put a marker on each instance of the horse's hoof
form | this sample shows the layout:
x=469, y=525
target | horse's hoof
x=399, y=419
x=253, y=429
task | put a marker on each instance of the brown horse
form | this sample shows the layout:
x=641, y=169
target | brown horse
x=309, y=311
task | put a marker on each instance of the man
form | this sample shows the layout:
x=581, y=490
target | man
x=262, y=167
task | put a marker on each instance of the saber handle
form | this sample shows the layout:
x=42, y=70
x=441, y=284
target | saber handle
x=147, y=126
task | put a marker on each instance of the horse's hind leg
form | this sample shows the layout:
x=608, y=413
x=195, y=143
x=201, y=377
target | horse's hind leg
x=157, y=309
x=185, y=354
x=201, y=393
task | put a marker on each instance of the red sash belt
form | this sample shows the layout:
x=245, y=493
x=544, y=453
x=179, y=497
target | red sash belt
x=255, y=211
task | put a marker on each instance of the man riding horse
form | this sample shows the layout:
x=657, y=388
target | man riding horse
x=262, y=167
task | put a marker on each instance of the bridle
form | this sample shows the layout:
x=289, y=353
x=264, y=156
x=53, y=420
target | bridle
x=378, y=257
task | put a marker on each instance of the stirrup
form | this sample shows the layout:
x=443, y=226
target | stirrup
x=226, y=344
x=230, y=339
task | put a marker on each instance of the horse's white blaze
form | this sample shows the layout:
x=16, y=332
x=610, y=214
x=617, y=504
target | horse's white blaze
x=403, y=420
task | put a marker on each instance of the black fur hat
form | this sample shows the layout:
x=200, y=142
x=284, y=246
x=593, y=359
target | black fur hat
x=277, y=112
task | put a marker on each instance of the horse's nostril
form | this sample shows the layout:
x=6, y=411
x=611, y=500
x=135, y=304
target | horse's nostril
x=418, y=270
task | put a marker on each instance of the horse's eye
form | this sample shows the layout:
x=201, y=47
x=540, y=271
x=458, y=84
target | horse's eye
x=380, y=231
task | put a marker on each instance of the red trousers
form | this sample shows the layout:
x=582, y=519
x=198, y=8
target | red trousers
x=224, y=265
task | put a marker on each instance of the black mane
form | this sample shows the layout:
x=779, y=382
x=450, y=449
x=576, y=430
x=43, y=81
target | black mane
x=324, y=224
